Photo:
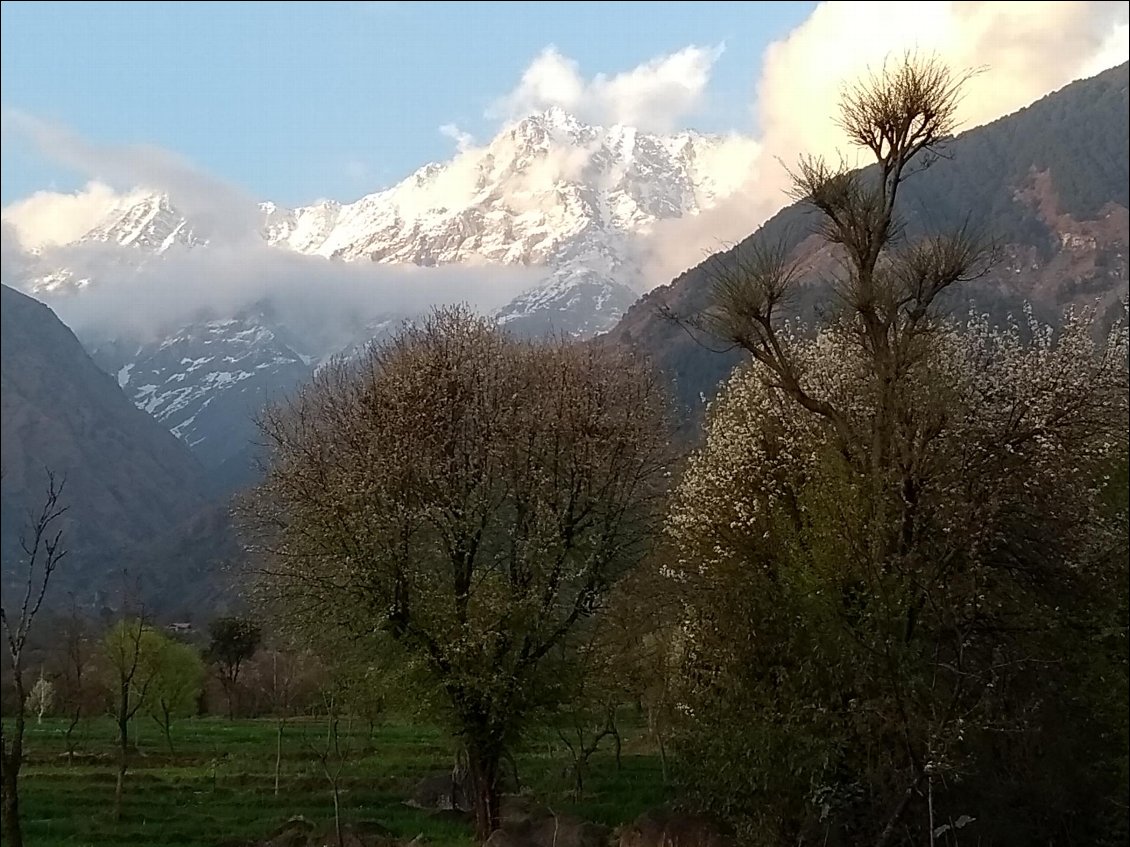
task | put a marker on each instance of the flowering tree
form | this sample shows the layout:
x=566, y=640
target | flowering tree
x=466, y=499
x=894, y=530
x=41, y=698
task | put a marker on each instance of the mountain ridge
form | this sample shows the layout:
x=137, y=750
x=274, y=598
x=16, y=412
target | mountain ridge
x=127, y=479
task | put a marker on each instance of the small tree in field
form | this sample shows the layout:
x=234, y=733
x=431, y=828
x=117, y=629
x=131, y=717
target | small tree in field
x=41, y=698
x=177, y=677
x=42, y=548
x=77, y=690
x=464, y=499
x=898, y=576
x=233, y=642
x=132, y=649
x=286, y=681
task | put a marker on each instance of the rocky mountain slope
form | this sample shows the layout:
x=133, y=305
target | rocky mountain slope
x=128, y=480
x=1050, y=184
x=205, y=382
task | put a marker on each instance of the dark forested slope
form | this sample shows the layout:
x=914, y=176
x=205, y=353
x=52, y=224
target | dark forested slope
x=1049, y=184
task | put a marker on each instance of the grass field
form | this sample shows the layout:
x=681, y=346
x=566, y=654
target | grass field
x=219, y=784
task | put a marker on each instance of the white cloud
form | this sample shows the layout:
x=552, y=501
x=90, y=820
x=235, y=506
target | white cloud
x=318, y=299
x=653, y=96
x=217, y=208
x=1024, y=50
x=463, y=140
x=1115, y=49
x=48, y=218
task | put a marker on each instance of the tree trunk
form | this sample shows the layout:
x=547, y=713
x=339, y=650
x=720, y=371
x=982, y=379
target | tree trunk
x=123, y=750
x=483, y=764
x=617, y=741
x=655, y=726
x=337, y=815
x=167, y=727
x=69, y=737
x=278, y=755
x=888, y=833
x=9, y=779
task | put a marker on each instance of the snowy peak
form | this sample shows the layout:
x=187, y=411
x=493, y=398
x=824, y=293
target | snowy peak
x=522, y=199
x=146, y=222
x=548, y=192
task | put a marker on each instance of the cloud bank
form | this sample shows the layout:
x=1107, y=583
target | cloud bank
x=654, y=96
x=324, y=302
x=219, y=210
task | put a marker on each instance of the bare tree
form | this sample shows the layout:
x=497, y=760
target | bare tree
x=42, y=547
x=285, y=679
x=465, y=499
x=74, y=682
x=589, y=716
x=42, y=697
x=332, y=753
x=131, y=651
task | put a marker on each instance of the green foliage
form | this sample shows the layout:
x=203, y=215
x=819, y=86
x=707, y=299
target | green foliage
x=232, y=642
x=132, y=650
x=178, y=676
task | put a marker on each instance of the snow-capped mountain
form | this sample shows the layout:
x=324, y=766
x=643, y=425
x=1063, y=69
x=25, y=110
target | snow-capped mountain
x=548, y=191
x=565, y=200
x=146, y=222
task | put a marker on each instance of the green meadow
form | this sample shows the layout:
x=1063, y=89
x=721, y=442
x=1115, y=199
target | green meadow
x=217, y=787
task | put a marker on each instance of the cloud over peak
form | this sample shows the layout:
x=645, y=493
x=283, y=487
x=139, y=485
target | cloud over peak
x=653, y=96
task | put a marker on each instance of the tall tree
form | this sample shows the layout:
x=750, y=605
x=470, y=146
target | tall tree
x=233, y=642
x=42, y=548
x=466, y=499
x=890, y=547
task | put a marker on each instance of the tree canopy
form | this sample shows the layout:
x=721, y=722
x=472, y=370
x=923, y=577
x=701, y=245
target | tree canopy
x=466, y=498
x=892, y=549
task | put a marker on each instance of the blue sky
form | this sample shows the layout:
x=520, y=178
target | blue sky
x=297, y=101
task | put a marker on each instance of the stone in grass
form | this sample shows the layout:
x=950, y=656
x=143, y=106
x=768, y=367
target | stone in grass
x=666, y=828
x=295, y=832
x=441, y=791
x=301, y=832
x=549, y=830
